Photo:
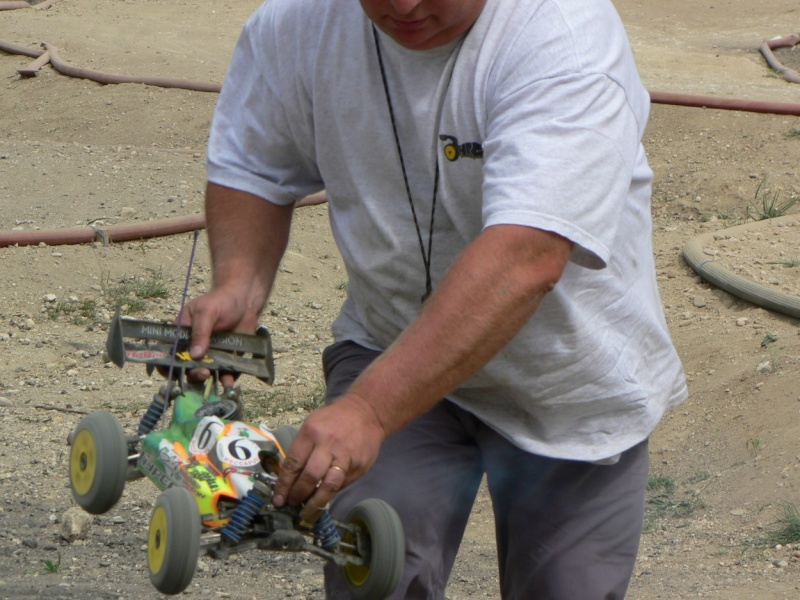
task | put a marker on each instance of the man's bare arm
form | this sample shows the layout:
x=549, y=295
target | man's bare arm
x=491, y=291
x=247, y=237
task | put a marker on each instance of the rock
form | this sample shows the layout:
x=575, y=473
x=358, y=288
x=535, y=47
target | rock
x=764, y=367
x=75, y=524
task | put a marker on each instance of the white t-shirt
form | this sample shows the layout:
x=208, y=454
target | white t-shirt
x=542, y=112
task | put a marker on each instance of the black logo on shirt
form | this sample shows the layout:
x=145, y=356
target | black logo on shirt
x=453, y=150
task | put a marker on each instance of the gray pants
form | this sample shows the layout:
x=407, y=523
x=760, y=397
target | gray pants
x=565, y=530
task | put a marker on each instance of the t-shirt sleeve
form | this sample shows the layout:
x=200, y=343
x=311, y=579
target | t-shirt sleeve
x=261, y=138
x=563, y=146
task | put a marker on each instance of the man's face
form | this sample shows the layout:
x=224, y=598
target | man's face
x=423, y=24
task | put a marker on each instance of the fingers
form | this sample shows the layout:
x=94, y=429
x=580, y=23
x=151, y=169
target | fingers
x=228, y=380
x=202, y=323
x=308, y=475
x=336, y=445
x=316, y=485
x=331, y=483
x=219, y=310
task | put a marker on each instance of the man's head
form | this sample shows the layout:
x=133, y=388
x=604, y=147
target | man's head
x=423, y=24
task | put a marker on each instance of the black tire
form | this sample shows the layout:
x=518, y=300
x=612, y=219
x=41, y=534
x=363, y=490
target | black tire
x=380, y=577
x=285, y=435
x=173, y=544
x=98, y=463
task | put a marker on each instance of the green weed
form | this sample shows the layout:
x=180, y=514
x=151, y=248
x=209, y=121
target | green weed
x=81, y=312
x=731, y=217
x=787, y=262
x=768, y=205
x=134, y=292
x=786, y=529
x=699, y=477
x=50, y=566
x=663, y=501
x=753, y=445
x=661, y=484
x=769, y=338
x=282, y=400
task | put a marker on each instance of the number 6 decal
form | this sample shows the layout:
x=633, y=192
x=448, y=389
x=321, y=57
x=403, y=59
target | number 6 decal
x=238, y=451
x=205, y=436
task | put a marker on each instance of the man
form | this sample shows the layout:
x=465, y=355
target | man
x=490, y=196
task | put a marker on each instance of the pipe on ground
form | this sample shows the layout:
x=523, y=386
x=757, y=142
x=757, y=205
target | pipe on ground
x=67, y=69
x=785, y=42
x=15, y=4
x=120, y=233
x=746, y=289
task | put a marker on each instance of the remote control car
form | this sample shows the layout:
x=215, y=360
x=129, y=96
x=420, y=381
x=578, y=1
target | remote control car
x=216, y=472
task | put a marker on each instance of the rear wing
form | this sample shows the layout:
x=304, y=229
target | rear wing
x=154, y=343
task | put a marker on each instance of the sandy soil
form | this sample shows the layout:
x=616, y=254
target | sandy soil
x=74, y=152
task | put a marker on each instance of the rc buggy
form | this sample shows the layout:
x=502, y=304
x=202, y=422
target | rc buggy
x=216, y=472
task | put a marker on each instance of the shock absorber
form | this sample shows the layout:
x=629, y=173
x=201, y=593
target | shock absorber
x=154, y=413
x=325, y=531
x=244, y=515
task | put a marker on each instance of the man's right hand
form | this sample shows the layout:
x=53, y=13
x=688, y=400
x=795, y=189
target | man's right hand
x=219, y=310
x=216, y=311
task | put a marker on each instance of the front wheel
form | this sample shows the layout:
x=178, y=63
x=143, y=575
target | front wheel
x=98, y=462
x=173, y=544
x=386, y=551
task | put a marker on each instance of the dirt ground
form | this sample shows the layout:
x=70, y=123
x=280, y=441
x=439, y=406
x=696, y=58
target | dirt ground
x=725, y=465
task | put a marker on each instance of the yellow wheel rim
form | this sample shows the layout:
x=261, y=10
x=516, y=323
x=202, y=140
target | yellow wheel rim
x=450, y=152
x=83, y=462
x=356, y=574
x=157, y=543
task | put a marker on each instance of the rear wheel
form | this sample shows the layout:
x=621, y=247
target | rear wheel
x=173, y=544
x=98, y=463
x=386, y=550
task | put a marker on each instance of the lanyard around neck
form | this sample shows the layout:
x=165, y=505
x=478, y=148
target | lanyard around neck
x=426, y=254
